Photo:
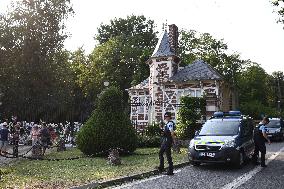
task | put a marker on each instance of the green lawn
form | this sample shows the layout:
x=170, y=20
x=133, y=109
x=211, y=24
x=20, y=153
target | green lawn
x=66, y=173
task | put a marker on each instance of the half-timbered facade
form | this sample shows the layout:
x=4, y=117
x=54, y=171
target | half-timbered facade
x=168, y=82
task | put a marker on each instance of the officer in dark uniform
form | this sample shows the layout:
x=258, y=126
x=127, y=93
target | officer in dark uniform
x=168, y=138
x=260, y=136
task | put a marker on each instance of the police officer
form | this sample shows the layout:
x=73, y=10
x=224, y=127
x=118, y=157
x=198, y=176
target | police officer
x=168, y=139
x=260, y=136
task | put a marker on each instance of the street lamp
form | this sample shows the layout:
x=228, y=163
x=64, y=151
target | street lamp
x=279, y=108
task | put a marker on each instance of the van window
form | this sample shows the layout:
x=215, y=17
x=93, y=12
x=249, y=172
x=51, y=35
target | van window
x=220, y=128
x=274, y=124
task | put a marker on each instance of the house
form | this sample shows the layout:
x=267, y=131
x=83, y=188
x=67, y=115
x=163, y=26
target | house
x=168, y=82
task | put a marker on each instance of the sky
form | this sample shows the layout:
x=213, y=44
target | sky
x=248, y=26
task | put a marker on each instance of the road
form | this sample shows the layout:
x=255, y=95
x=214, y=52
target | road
x=222, y=176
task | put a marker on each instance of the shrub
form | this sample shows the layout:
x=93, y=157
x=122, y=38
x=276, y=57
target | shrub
x=145, y=141
x=108, y=127
x=153, y=130
x=192, y=110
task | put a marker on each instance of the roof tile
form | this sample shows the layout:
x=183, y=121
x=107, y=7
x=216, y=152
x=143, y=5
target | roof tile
x=198, y=70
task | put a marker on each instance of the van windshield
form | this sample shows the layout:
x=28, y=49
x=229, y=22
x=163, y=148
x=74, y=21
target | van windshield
x=274, y=124
x=220, y=128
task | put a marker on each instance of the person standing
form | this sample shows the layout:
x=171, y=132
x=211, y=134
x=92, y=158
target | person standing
x=260, y=136
x=15, y=138
x=4, y=133
x=44, y=137
x=168, y=139
x=35, y=134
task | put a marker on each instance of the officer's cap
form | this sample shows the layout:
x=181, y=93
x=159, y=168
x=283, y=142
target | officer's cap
x=168, y=114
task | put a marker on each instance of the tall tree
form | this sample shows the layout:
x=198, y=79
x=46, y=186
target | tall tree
x=138, y=33
x=32, y=36
x=256, y=95
x=194, y=45
x=124, y=46
x=276, y=86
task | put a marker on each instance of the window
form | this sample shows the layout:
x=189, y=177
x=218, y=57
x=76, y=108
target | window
x=198, y=93
x=220, y=127
x=142, y=104
x=189, y=92
x=274, y=124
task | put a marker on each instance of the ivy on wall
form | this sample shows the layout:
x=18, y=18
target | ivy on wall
x=192, y=110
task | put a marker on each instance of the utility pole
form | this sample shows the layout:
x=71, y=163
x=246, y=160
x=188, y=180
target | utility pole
x=279, y=94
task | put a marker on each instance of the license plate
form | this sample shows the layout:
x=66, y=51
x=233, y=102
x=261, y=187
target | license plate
x=269, y=135
x=207, y=154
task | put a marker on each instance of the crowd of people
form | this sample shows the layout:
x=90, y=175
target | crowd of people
x=23, y=133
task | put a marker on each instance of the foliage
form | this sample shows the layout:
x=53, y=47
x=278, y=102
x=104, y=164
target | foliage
x=260, y=92
x=137, y=28
x=194, y=45
x=276, y=86
x=124, y=46
x=145, y=141
x=253, y=84
x=280, y=9
x=153, y=130
x=33, y=71
x=151, y=137
x=257, y=110
x=192, y=110
x=108, y=127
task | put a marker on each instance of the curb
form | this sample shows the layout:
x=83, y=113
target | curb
x=124, y=179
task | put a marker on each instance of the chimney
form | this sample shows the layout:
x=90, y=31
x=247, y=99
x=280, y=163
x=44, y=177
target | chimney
x=173, y=37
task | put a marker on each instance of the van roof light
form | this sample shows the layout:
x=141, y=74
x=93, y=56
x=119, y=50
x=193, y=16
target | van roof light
x=235, y=113
x=218, y=114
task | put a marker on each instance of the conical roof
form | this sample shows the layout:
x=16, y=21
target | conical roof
x=163, y=47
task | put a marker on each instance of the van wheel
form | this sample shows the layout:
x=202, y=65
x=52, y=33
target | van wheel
x=240, y=160
x=282, y=138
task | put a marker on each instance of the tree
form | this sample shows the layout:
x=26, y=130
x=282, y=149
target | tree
x=79, y=66
x=253, y=84
x=33, y=67
x=276, y=85
x=124, y=46
x=136, y=29
x=138, y=38
x=108, y=127
x=257, y=96
x=280, y=9
x=194, y=45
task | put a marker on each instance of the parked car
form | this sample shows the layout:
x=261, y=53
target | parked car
x=224, y=138
x=276, y=129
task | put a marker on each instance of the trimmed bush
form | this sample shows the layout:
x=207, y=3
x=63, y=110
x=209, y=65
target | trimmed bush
x=193, y=109
x=108, y=127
